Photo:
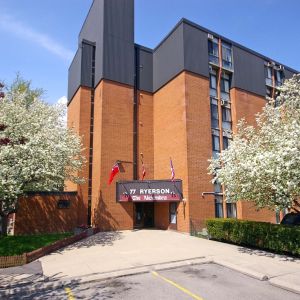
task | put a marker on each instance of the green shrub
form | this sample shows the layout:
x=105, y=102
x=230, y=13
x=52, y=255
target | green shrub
x=274, y=237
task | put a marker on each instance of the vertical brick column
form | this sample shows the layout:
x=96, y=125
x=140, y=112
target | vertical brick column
x=113, y=140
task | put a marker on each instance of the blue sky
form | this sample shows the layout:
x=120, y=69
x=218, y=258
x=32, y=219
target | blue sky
x=39, y=37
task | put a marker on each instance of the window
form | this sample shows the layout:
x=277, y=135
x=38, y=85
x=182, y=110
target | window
x=268, y=74
x=227, y=55
x=214, y=113
x=231, y=210
x=225, y=142
x=226, y=118
x=217, y=188
x=219, y=206
x=216, y=143
x=278, y=77
x=269, y=92
x=213, y=84
x=213, y=51
x=225, y=87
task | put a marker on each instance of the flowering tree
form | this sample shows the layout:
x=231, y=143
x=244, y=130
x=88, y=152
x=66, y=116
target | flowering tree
x=262, y=163
x=37, y=151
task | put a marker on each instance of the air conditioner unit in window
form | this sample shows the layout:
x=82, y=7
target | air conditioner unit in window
x=222, y=102
x=210, y=36
x=281, y=67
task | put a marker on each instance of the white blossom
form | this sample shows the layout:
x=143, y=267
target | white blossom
x=262, y=163
x=38, y=153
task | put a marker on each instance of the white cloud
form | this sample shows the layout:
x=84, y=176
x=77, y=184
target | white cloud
x=11, y=25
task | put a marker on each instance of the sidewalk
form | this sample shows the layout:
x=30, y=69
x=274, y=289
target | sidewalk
x=113, y=254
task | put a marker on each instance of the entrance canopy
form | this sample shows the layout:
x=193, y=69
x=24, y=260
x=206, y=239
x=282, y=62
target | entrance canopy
x=149, y=191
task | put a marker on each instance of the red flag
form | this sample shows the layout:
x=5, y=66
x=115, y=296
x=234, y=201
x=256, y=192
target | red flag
x=172, y=170
x=143, y=171
x=114, y=171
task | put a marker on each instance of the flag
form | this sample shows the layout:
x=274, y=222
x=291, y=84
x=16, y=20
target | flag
x=143, y=171
x=172, y=170
x=114, y=171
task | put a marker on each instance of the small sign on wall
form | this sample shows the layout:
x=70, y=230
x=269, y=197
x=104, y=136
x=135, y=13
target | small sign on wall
x=149, y=191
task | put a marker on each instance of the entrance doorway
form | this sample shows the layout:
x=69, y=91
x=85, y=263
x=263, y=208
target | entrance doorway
x=144, y=215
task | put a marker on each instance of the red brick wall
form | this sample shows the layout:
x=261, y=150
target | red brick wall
x=246, y=105
x=145, y=133
x=113, y=140
x=199, y=149
x=170, y=139
x=39, y=214
x=79, y=111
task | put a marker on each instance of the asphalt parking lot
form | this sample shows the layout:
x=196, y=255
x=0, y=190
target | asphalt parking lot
x=203, y=281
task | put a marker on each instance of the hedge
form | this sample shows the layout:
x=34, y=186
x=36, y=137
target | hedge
x=274, y=237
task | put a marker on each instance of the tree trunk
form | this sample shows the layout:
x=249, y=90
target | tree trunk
x=4, y=219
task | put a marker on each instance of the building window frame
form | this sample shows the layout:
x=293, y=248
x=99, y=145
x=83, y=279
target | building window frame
x=227, y=60
x=231, y=210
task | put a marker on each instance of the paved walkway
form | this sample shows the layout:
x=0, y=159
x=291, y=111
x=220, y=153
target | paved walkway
x=111, y=254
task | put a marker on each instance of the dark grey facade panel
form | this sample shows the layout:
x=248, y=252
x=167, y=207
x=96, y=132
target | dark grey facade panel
x=74, y=76
x=249, y=72
x=168, y=58
x=92, y=29
x=86, y=65
x=144, y=70
x=118, y=64
x=118, y=51
x=288, y=74
x=119, y=19
x=195, y=50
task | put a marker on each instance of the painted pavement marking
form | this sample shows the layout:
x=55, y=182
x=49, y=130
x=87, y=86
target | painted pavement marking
x=69, y=293
x=186, y=291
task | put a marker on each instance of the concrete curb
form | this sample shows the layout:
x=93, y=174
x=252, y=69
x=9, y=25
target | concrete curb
x=285, y=284
x=45, y=284
x=241, y=269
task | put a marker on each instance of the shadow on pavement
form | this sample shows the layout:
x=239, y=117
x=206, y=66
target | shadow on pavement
x=36, y=287
x=99, y=239
x=259, y=252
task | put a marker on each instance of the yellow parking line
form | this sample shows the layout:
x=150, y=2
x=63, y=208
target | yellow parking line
x=177, y=286
x=69, y=293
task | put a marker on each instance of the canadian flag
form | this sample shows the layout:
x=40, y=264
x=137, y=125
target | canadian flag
x=114, y=171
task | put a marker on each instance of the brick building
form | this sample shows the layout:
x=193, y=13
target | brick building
x=181, y=100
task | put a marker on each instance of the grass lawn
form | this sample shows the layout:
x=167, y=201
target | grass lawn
x=16, y=245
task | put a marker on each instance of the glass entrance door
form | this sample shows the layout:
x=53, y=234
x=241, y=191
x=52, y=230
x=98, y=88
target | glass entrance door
x=144, y=215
